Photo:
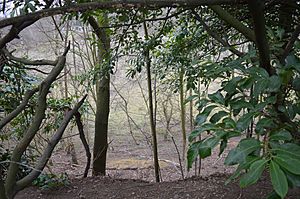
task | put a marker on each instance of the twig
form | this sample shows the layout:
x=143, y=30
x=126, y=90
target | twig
x=84, y=142
x=178, y=154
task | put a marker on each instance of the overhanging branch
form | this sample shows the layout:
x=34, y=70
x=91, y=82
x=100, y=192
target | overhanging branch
x=232, y=21
x=257, y=10
x=29, y=62
x=216, y=36
x=128, y=4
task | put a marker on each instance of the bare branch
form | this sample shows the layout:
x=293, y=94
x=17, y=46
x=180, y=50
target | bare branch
x=21, y=184
x=19, y=109
x=128, y=4
x=84, y=142
x=29, y=62
x=231, y=20
x=216, y=36
x=34, y=127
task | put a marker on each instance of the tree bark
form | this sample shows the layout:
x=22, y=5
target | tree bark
x=102, y=101
x=182, y=111
x=151, y=109
x=128, y=4
x=38, y=117
x=27, y=180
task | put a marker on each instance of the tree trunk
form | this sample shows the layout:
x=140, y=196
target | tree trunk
x=182, y=111
x=101, y=127
x=151, y=109
x=102, y=101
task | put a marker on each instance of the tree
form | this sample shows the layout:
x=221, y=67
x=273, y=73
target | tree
x=253, y=50
x=103, y=96
x=260, y=89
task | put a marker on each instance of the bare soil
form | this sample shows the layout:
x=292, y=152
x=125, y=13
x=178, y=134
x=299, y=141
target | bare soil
x=130, y=175
x=105, y=187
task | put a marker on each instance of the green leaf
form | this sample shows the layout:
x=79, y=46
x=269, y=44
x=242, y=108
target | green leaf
x=282, y=134
x=261, y=72
x=293, y=180
x=293, y=61
x=201, y=118
x=273, y=195
x=231, y=85
x=240, y=104
x=274, y=83
x=260, y=87
x=207, y=145
x=249, y=160
x=231, y=134
x=223, y=146
x=289, y=149
x=278, y=179
x=229, y=122
x=217, y=97
x=290, y=163
x=204, y=150
x=285, y=76
x=202, y=103
x=192, y=153
x=245, y=121
x=244, y=148
x=190, y=98
x=253, y=174
x=262, y=124
x=296, y=84
x=201, y=129
x=217, y=116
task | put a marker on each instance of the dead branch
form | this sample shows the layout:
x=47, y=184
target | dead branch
x=84, y=142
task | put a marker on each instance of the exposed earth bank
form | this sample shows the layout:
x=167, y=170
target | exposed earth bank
x=211, y=187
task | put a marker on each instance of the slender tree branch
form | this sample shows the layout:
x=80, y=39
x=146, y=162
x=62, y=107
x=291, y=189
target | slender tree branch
x=128, y=4
x=216, y=36
x=19, y=109
x=34, y=127
x=84, y=142
x=24, y=182
x=29, y=62
x=257, y=10
x=290, y=44
x=232, y=21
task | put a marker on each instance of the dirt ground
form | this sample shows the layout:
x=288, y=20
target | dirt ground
x=130, y=175
x=105, y=187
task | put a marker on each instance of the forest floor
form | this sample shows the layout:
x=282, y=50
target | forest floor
x=130, y=175
x=211, y=187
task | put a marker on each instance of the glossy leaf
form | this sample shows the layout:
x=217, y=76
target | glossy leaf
x=239, y=154
x=245, y=121
x=278, y=179
x=253, y=174
x=290, y=163
x=201, y=118
x=201, y=129
x=217, y=116
x=217, y=97
x=281, y=135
